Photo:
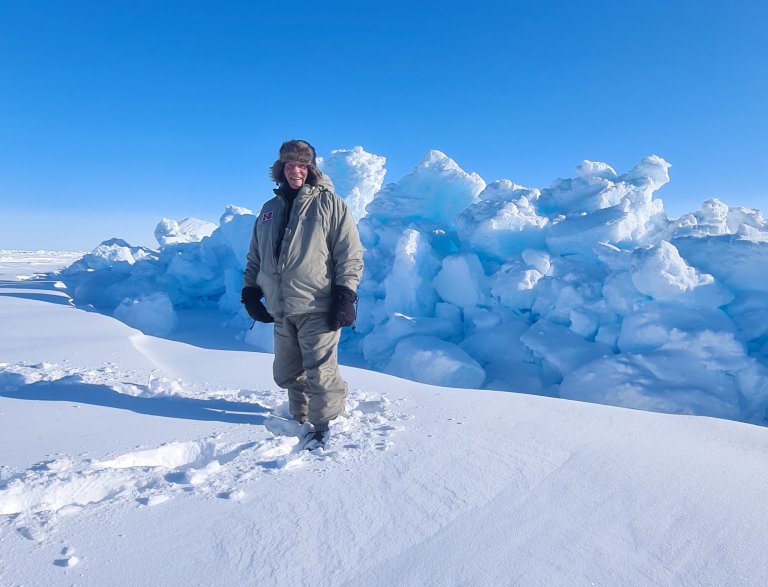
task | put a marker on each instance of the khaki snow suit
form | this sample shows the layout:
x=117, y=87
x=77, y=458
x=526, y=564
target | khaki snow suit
x=295, y=261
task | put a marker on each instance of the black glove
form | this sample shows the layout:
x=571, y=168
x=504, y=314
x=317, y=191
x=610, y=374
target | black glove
x=251, y=299
x=342, y=307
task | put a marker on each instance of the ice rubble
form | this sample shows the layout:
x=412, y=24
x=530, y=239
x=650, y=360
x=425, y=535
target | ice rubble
x=585, y=289
x=189, y=230
x=357, y=174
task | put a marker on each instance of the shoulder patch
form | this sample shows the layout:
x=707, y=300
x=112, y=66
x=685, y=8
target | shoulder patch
x=266, y=217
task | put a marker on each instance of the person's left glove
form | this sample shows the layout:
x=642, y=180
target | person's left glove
x=251, y=299
x=342, y=307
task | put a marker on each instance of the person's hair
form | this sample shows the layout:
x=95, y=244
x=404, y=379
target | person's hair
x=296, y=151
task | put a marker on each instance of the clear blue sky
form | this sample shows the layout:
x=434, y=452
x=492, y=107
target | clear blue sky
x=116, y=113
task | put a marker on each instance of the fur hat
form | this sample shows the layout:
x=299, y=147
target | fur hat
x=296, y=151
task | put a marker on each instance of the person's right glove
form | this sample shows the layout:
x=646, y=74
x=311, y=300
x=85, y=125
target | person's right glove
x=342, y=307
x=251, y=299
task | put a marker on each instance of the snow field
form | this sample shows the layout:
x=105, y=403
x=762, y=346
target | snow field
x=152, y=475
x=177, y=464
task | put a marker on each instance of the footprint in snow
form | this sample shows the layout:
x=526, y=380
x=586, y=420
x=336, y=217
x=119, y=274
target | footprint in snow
x=69, y=559
x=33, y=498
x=369, y=417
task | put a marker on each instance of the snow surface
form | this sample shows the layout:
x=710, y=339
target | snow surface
x=136, y=460
x=553, y=291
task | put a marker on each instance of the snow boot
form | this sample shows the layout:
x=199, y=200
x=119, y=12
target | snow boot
x=317, y=439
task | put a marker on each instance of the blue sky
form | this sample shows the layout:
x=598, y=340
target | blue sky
x=115, y=114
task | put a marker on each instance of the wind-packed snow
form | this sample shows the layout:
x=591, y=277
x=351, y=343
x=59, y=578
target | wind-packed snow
x=584, y=289
x=135, y=460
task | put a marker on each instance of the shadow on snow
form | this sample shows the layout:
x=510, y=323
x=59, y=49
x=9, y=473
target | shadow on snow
x=164, y=407
x=46, y=292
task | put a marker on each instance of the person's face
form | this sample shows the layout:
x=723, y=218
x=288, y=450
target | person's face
x=296, y=174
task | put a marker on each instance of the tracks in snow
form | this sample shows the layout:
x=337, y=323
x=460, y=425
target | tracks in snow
x=221, y=465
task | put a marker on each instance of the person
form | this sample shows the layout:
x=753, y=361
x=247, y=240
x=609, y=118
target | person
x=306, y=261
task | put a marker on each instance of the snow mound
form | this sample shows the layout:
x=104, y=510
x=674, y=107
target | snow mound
x=152, y=313
x=428, y=359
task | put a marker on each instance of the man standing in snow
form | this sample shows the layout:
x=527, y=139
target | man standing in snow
x=306, y=260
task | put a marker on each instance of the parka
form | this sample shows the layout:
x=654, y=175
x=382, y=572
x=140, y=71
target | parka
x=296, y=261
